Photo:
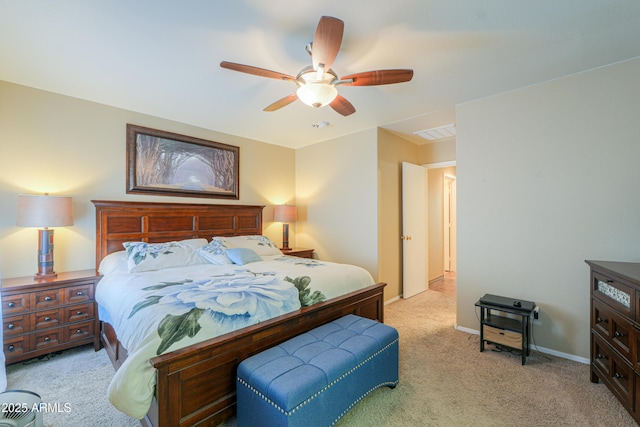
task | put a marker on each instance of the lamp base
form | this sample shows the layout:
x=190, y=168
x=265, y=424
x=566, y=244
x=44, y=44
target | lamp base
x=45, y=276
x=285, y=237
x=45, y=255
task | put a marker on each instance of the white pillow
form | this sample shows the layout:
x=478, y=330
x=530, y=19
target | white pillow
x=115, y=261
x=215, y=253
x=143, y=256
x=261, y=245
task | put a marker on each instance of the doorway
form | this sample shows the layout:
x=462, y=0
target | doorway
x=442, y=220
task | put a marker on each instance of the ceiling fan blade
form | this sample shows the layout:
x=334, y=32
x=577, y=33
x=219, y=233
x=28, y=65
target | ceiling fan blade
x=281, y=102
x=342, y=106
x=379, y=77
x=255, y=71
x=326, y=41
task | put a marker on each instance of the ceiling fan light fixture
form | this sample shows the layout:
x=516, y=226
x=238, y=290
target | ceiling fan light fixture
x=317, y=94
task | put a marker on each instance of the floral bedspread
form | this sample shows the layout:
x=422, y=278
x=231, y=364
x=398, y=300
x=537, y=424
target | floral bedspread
x=160, y=311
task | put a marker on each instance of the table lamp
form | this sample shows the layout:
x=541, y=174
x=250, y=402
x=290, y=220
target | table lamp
x=44, y=211
x=285, y=214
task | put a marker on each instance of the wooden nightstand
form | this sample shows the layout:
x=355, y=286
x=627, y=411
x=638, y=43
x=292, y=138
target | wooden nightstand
x=299, y=252
x=43, y=316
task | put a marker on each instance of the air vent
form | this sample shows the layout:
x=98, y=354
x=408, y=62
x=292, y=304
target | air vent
x=435, y=134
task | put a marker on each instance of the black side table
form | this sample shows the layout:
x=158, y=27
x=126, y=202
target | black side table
x=511, y=331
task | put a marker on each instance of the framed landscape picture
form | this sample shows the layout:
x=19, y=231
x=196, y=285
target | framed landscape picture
x=166, y=163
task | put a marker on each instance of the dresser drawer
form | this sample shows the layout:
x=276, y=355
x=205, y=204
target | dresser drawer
x=503, y=336
x=615, y=329
x=78, y=331
x=76, y=313
x=16, y=346
x=46, y=319
x=615, y=293
x=15, y=325
x=48, y=298
x=613, y=370
x=48, y=338
x=16, y=303
x=79, y=293
x=601, y=354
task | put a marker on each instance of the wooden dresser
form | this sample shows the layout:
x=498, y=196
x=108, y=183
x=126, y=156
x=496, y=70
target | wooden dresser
x=47, y=315
x=615, y=330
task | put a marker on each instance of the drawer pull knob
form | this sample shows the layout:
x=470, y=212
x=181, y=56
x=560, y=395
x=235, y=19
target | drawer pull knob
x=78, y=331
x=600, y=320
x=11, y=326
x=47, y=339
x=78, y=312
x=10, y=348
x=618, y=375
x=47, y=298
x=600, y=356
x=79, y=293
x=11, y=304
x=618, y=334
x=46, y=319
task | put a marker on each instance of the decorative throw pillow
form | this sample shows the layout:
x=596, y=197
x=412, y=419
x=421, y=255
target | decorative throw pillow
x=242, y=256
x=143, y=256
x=215, y=253
x=261, y=245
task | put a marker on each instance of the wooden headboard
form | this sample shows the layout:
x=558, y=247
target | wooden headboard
x=119, y=222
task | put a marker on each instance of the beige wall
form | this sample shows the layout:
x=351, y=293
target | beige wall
x=392, y=151
x=66, y=146
x=548, y=176
x=439, y=151
x=337, y=197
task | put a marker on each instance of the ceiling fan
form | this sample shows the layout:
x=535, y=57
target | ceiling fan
x=317, y=83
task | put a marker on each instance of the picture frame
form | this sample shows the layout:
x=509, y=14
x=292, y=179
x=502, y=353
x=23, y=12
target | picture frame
x=170, y=164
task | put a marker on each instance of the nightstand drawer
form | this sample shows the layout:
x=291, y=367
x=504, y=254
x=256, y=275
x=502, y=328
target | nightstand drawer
x=78, y=293
x=48, y=298
x=78, y=331
x=502, y=336
x=45, y=319
x=16, y=346
x=48, y=338
x=76, y=313
x=15, y=325
x=15, y=303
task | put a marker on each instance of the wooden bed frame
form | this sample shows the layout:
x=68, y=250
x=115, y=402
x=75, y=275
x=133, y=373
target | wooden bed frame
x=195, y=386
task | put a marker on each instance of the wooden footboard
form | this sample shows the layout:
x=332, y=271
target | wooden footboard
x=195, y=386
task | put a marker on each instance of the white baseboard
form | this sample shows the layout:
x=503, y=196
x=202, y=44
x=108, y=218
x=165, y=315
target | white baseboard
x=568, y=356
x=392, y=300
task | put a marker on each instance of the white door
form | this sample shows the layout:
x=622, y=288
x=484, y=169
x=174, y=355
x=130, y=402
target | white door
x=415, y=259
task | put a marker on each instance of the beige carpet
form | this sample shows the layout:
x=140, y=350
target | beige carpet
x=444, y=381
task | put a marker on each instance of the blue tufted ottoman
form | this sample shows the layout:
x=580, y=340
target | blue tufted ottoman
x=315, y=378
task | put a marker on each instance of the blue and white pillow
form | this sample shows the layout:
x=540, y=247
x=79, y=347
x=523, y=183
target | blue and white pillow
x=215, y=252
x=143, y=256
x=261, y=245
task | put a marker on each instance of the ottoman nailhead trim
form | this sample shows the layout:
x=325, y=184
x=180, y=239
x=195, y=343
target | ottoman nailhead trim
x=322, y=390
x=385, y=384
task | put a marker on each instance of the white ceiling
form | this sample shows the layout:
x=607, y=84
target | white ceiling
x=161, y=57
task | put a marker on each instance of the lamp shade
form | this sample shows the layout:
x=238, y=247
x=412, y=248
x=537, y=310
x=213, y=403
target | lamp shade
x=285, y=213
x=44, y=211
